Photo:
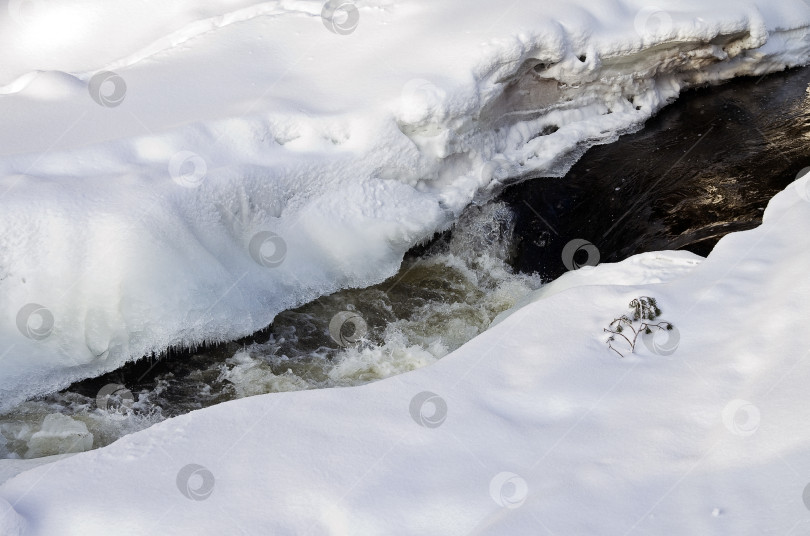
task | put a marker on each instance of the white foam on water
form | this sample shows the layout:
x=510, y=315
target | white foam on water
x=476, y=284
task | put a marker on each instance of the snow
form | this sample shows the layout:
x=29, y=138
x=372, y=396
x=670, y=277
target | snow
x=532, y=427
x=237, y=159
x=653, y=267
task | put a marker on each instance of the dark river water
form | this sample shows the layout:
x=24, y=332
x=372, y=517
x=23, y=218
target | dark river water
x=702, y=168
x=705, y=166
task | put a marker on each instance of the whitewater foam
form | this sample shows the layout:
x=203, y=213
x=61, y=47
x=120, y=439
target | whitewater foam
x=437, y=302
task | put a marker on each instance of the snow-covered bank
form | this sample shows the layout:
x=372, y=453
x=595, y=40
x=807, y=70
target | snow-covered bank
x=438, y=301
x=532, y=427
x=239, y=159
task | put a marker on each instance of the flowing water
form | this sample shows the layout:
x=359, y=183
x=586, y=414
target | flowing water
x=445, y=293
x=704, y=167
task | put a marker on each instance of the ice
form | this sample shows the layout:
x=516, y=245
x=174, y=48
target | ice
x=59, y=434
x=136, y=209
x=532, y=426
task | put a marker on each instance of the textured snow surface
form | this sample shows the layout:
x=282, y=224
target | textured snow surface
x=533, y=427
x=177, y=174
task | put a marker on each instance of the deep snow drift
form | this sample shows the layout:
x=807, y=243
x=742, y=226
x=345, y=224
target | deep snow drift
x=175, y=175
x=532, y=427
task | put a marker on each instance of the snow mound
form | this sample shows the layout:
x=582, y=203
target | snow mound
x=641, y=269
x=225, y=160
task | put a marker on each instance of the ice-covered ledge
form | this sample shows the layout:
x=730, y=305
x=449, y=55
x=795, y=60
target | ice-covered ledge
x=248, y=160
x=532, y=426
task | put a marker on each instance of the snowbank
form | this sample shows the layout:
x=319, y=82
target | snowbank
x=177, y=175
x=532, y=427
